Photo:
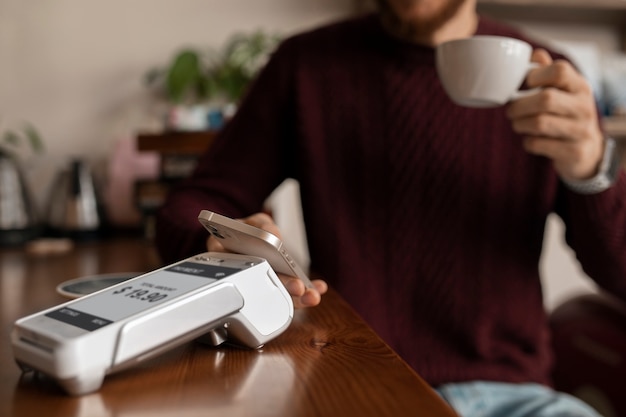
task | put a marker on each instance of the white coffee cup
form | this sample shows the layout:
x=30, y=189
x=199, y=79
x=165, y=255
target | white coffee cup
x=483, y=71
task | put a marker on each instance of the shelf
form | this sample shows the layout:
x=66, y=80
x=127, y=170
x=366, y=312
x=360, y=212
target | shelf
x=611, y=12
x=607, y=13
x=564, y=4
x=176, y=142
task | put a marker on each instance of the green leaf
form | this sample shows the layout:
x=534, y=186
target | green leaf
x=194, y=77
x=34, y=138
x=11, y=138
x=15, y=138
x=184, y=75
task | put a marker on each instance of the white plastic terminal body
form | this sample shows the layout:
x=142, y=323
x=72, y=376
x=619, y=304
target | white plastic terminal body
x=252, y=304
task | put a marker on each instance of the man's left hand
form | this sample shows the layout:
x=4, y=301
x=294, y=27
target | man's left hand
x=560, y=121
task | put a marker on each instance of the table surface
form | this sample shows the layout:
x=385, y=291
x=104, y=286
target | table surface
x=328, y=363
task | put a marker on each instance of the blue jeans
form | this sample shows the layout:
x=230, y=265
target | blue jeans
x=495, y=399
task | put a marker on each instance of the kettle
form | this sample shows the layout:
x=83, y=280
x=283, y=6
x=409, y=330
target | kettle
x=19, y=221
x=74, y=205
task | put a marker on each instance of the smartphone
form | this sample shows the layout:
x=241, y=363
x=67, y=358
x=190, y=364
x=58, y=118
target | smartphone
x=242, y=238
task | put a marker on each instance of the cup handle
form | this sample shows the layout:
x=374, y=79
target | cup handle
x=525, y=93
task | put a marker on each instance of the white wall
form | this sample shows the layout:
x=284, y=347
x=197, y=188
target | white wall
x=561, y=274
x=74, y=68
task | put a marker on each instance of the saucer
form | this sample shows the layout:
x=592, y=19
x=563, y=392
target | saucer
x=78, y=287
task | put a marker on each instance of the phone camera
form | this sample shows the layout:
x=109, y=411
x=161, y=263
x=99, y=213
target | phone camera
x=215, y=232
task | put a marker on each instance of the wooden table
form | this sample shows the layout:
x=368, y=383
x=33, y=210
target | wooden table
x=328, y=363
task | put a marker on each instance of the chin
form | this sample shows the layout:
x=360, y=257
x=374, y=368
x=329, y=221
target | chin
x=420, y=15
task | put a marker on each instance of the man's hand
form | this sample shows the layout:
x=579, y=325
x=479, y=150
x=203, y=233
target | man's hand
x=302, y=296
x=560, y=121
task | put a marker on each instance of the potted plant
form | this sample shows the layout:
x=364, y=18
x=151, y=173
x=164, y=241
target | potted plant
x=203, y=86
x=235, y=66
x=184, y=80
x=18, y=215
x=13, y=139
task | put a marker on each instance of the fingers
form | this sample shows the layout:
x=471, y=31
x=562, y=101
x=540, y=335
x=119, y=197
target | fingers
x=541, y=57
x=560, y=121
x=549, y=101
x=559, y=74
x=564, y=91
x=262, y=221
x=214, y=245
x=553, y=113
x=302, y=296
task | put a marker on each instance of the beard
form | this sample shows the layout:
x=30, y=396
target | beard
x=416, y=26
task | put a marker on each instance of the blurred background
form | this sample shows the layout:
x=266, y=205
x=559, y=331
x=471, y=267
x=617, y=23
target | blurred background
x=76, y=71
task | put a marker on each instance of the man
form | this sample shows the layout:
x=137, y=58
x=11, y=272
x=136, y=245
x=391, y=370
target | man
x=426, y=216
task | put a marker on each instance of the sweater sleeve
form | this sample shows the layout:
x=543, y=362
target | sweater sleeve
x=244, y=165
x=596, y=231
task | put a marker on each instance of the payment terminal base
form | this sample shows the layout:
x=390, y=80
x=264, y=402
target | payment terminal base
x=219, y=296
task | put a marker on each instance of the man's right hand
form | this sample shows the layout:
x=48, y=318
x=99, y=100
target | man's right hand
x=302, y=296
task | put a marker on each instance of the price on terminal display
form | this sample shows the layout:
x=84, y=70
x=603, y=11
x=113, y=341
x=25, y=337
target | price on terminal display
x=140, y=294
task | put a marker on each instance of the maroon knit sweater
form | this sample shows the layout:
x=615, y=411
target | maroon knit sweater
x=426, y=216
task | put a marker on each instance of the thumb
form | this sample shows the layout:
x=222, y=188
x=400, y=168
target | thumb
x=541, y=57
